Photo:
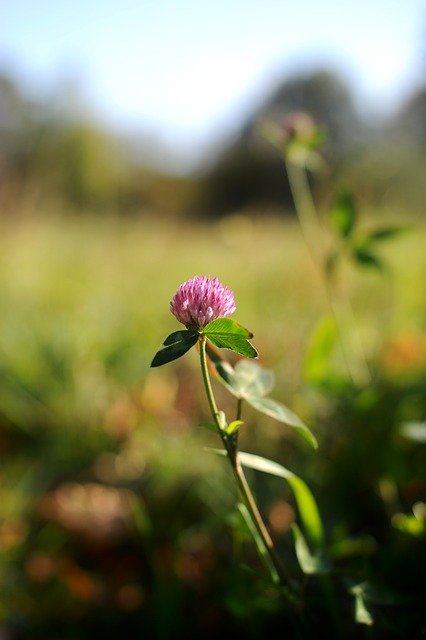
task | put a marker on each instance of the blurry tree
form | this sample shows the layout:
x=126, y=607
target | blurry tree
x=17, y=115
x=248, y=173
x=410, y=121
x=78, y=164
x=53, y=157
x=328, y=99
x=390, y=171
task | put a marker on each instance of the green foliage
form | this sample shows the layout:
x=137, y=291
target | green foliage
x=175, y=346
x=223, y=332
x=360, y=245
x=226, y=333
x=319, y=351
x=233, y=426
x=343, y=214
x=362, y=613
x=250, y=382
x=111, y=511
x=306, y=504
x=413, y=524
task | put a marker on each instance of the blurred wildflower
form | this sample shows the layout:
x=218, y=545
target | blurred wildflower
x=94, y=510
x=297, y=137
x=298, y=125
x=12, y=534
x=404, y=354
x=281, y=516
x=40, y=567
x=201, y=300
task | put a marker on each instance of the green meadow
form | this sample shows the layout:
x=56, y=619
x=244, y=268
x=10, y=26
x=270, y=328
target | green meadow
x=113, y=514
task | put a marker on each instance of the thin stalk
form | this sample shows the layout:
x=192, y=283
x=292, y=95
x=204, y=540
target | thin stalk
x=263, y=536
x=312, y=234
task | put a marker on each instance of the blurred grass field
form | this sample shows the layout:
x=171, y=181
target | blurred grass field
x=84, y=307
x=98, y=290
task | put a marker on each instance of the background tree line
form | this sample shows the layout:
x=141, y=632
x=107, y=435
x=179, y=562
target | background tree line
x=52, y=160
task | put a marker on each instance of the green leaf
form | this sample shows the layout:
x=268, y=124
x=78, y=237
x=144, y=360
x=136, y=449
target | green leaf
x=250, y=379
x=280, y=412
x=209, y=425
x=362, y=614
x=228, y=334
x=307, y=507
x=247, y=378
x=233, y=426
x=409, y=524
x=309, y=563
x=343, y=214
x=226, y=326
x=366, y=258
x=383, y=233
x=234, y=343
x=174, y=346
x=320, y=349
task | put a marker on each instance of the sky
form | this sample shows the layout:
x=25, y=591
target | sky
x=187, y=71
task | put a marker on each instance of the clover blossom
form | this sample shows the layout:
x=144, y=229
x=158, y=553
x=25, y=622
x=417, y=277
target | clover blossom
x=201, y=300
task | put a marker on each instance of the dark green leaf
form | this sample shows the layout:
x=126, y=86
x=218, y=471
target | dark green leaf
x=366, y=258
x=281, y=413
x=174, y=346
x=384, y=233
x=343, y=214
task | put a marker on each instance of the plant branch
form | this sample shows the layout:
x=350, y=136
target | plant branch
x=266, y=544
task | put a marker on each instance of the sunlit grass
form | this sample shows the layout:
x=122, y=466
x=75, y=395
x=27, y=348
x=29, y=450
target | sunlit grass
x=92, y=282
x=87, y=424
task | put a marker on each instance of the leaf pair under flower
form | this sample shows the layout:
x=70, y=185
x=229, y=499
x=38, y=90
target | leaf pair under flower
x=222, y=332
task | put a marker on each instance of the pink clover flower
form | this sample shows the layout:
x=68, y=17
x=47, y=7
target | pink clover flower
x=201, y=300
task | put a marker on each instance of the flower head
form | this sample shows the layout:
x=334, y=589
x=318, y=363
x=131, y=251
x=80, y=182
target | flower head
x=298, y=125
x=201, y=300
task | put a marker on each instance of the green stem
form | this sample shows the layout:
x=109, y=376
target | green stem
x=313, y=234
x=263, y=539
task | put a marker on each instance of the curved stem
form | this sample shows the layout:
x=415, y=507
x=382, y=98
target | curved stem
x=263, y=539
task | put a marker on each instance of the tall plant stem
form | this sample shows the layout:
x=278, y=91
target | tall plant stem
x=313, y=235
x=263, y=539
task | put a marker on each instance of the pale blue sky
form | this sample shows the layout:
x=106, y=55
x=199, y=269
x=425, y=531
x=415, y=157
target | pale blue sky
x=187, y=69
